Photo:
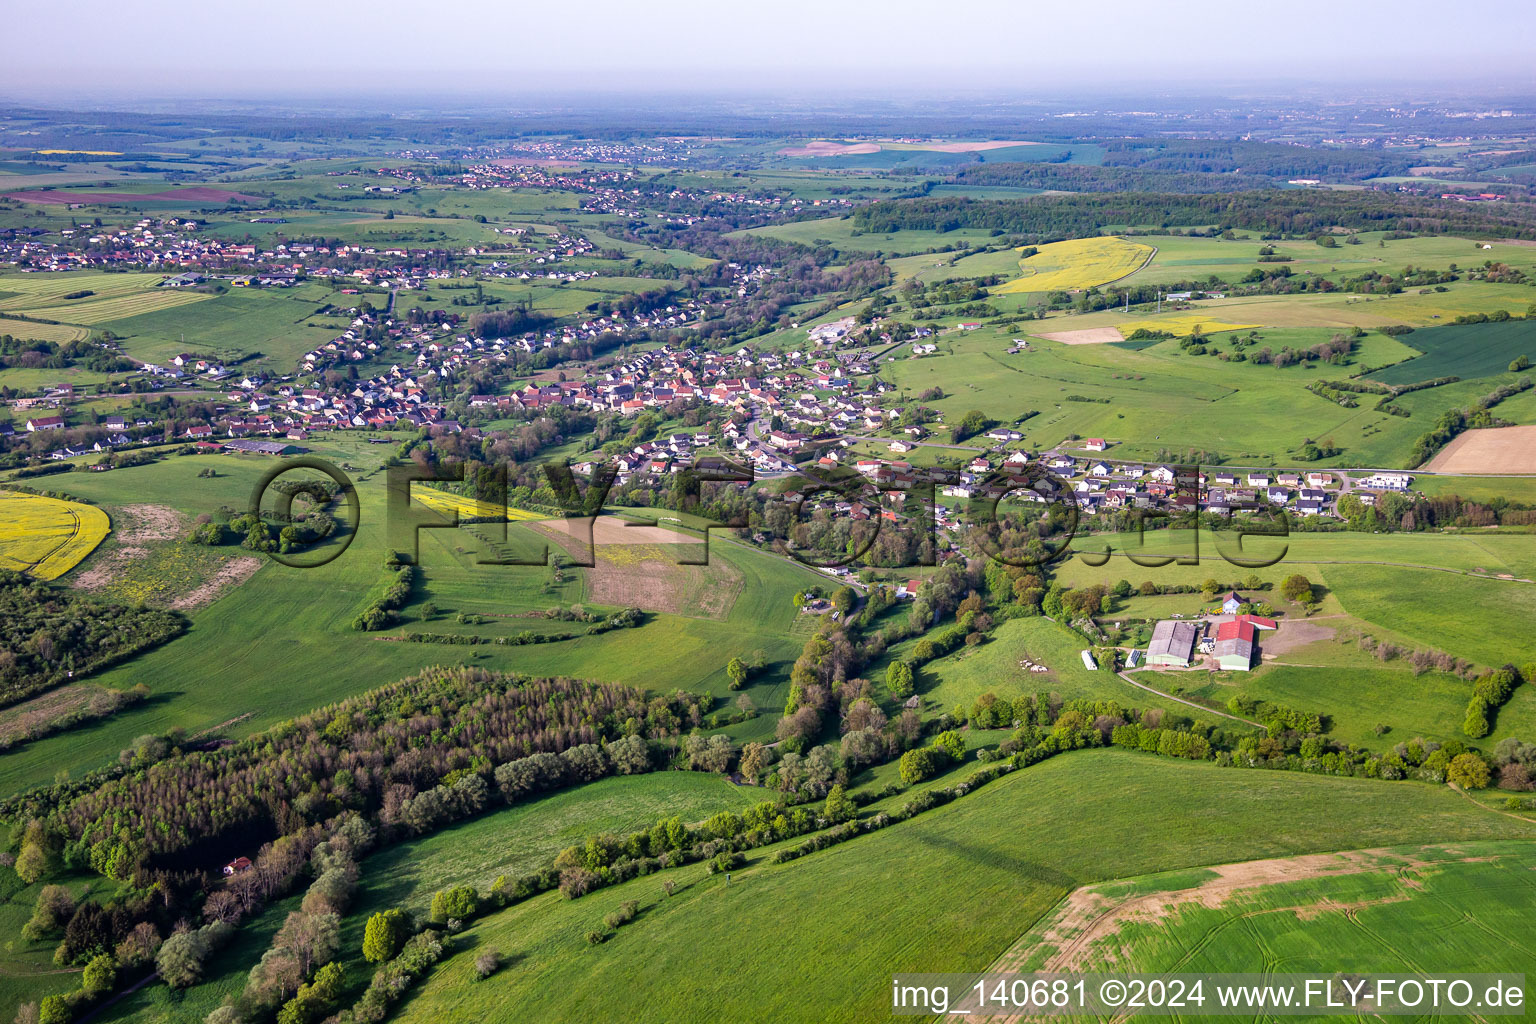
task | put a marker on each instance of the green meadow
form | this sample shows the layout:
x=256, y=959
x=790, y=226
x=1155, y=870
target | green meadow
x=1462, y=905
x=1161, y=398
x=286, y=635
x=947, y=891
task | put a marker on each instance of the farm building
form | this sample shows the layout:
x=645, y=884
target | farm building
x=1235, y=642
x=262, y=447
x=1173, y=644
x=1088, y=661
x=1232, y=601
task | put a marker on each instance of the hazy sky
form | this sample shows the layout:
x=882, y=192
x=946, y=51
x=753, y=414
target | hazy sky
x=219, y=50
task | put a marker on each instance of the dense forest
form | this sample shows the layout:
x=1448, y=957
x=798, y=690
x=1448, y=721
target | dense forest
x=1273, y=212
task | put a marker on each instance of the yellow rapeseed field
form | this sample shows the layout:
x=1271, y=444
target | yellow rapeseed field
x=1078, y=263
x=443, y=501
x=47, y=537
x=1182, y=324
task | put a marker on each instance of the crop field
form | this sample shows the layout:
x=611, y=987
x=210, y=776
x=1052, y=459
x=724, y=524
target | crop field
x=238, y=323
x=1183, y=815
x=1226, y=919
x=46, y=537
x=58, y=333
x=26, y=293
x=1343, y=309
x=1180, y=325
x=1463, y=350
x=112, y=296
x=448, y=502
x=1078, y=263
x=1488, y=450
x=94, y=311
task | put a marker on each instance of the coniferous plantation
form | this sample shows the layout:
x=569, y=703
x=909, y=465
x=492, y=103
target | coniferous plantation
x=707, y=527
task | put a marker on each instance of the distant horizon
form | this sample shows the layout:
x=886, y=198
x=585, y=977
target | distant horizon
x=364, y=100
x=160, y=52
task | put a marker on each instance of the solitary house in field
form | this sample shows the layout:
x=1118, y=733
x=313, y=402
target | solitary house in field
x=1173, y=644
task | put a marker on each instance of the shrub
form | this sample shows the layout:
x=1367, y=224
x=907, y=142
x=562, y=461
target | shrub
x=951, y=744
x=487, y=963
x=626, y=913
x=461, y=901
x=917, y=765
x=384, y=934
x=1468, y=771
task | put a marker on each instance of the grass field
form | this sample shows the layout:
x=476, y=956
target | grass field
x=512, y=841
x=27, y=970
x=840, y=233
x=1479, y=628
x=231, y=326
x=46, y=537
x=1463, y=350
x=1078, y=263
x=281, y=619
x=1162, y=399
x=948, y=891
x=995, y=667
x=1330, y=914
x=1181, y=258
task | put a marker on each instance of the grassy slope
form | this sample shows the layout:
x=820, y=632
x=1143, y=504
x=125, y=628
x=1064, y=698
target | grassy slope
x=282, y=643
x=509, y=841
x=946, y=892
x=1451, y=900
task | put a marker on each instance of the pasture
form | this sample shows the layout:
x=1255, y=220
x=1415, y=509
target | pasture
x=46, y=537
x=1078, y=264
x=1017, y=844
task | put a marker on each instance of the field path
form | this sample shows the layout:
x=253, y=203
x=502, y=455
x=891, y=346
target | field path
x=1190, y=703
